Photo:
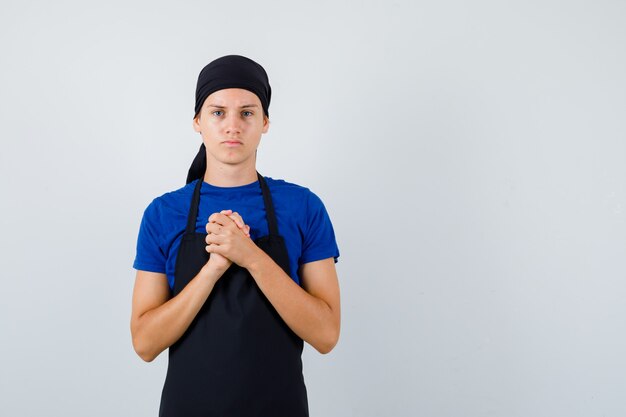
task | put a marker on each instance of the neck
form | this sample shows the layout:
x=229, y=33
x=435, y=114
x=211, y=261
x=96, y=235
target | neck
x=222, y=175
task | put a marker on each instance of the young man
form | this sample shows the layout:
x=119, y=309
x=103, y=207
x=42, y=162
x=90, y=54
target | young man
x=234, y=270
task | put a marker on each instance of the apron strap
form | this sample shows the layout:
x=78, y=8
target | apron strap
x=193, y=210
x=269, y=206
x=267, y=200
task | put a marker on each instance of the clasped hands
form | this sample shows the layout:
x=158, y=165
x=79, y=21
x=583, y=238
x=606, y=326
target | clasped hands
x=228, y=240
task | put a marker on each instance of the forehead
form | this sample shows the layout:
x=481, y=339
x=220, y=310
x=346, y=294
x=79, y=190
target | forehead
x=232, y=97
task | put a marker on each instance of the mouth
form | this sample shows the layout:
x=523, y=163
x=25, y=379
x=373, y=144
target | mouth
x=232, y=143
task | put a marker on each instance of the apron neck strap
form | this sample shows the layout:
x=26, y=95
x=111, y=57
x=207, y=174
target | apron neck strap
x=267, y=200
x=193, y=210
x=269, y=206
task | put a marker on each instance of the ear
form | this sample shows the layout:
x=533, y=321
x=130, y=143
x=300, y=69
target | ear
x=266, y=123
x=196, y=125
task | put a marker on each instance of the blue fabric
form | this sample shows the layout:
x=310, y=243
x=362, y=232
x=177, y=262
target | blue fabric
x=302, y=221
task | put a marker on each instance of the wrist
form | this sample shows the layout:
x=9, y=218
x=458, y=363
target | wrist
x=255, y=260
x=213, y=272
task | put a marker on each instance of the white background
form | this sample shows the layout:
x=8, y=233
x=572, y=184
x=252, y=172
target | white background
x=470, y=154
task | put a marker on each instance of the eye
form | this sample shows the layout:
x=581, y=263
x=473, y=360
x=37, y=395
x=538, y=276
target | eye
x=217, y=113
x=247, y=113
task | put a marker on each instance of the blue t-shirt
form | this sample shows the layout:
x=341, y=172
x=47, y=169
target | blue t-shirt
x=302, y=221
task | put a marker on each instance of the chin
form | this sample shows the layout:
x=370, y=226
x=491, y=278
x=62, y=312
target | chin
x=232, y=161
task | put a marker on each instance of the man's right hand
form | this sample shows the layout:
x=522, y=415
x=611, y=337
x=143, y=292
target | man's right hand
x=218, y=261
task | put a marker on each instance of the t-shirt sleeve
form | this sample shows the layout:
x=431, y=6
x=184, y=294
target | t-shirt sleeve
x=319, y=235
x=150, y=255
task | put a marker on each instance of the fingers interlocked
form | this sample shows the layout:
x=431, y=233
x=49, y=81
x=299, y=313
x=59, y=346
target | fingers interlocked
x=222, y=226
x=236, y=217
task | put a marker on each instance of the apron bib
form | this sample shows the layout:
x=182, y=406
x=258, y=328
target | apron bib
x=238, y=358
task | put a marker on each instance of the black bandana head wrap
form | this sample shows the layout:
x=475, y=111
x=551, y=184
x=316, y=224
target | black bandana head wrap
x=230, y=71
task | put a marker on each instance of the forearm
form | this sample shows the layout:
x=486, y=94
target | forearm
x=159, y=328
x=311, y=318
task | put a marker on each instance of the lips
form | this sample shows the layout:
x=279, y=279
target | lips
x=232, y=142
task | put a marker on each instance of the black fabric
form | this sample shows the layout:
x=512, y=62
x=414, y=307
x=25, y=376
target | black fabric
x=230, y=71
x=238, y=358
x=198, y=166
x=233, y=71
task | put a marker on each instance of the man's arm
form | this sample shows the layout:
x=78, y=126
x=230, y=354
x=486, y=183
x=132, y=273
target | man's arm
x=157, y=321
x=311, y=311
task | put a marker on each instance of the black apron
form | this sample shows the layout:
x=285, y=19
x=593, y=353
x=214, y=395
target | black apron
x=238, y=357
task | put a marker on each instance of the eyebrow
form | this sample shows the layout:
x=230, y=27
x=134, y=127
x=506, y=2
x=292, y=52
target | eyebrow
x=243, y=107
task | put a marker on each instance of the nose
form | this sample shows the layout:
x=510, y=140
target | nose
x=233, y=124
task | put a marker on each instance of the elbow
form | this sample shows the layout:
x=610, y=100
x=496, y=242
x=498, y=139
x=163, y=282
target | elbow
x=324, y=349
x=143, y=351
x=147, y=358
x=328, y=343
x=145, y=355
x=142, y=346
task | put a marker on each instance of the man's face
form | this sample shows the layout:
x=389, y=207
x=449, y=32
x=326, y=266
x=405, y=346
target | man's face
x=231, y=122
